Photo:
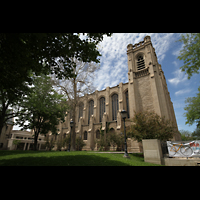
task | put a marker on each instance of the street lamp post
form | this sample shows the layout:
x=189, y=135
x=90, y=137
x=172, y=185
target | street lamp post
x=124, y=114
x=71, y=125
x=122, y=144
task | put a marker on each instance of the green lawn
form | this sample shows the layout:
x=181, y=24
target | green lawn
x=63, y=158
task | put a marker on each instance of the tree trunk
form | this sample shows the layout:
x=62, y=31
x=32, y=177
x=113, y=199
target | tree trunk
x=35, y=144
x=2, y=117
x=73, y=139
x=1, y=127
x=35, y=140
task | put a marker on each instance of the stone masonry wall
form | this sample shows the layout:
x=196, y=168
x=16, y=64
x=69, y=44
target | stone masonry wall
x=144, y=94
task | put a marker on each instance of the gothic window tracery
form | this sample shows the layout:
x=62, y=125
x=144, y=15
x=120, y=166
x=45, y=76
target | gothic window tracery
x=91, y=110
x=101, y=108
x=85, y=135
x=97, y=134
x=140, y=62
x=127, y=103
x=81, y=105
x=115, y=106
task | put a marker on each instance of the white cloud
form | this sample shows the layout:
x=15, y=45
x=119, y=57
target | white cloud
x=114, y=66
x=161, y=43
x=175, y=63
x=180, y=77
x=177, y=51
x=183, y=91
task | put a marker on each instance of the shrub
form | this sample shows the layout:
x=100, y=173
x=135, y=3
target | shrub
x=149, y=125
x=110, y=139
x=79, y=144
x=16, y=142
x=50, y=143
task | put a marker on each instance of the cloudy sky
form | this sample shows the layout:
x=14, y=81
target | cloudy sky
x=114, y=67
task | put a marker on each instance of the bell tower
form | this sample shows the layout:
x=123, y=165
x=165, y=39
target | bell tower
x=146, y=81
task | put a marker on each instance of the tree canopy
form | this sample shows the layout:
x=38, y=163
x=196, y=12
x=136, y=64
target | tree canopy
x=39, y=52
x=43, y=108
x=149, y=125
x=24, y=54
x=190, y=53
x=192, y=108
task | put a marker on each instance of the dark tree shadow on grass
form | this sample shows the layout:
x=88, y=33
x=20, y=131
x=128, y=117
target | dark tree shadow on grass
x=68, y=160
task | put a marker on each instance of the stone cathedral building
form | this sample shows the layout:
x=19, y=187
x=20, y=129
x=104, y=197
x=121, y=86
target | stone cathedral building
x=146, y=89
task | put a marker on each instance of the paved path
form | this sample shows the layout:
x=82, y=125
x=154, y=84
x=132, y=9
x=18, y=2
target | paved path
x=122, y=152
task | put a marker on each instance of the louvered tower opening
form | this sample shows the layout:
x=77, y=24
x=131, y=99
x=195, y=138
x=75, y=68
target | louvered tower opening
x=140, y=63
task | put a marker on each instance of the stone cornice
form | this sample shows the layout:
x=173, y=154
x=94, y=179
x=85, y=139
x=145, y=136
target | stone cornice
x=132, y=48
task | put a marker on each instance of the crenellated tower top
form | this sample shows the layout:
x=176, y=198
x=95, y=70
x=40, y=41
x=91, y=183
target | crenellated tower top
x=141, y=57
x=137, y=46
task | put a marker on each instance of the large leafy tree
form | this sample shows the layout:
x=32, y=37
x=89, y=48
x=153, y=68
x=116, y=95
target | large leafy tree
x=73, y=88
x=10, y=102
x=185, y=135
x=40, y=53
x=149, y=125
x=190, y=53
x=42, y=109
x=193, y=110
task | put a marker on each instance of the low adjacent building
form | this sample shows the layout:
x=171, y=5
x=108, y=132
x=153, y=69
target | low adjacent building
x=26, y=141
x=24, y=138
x=6, y=134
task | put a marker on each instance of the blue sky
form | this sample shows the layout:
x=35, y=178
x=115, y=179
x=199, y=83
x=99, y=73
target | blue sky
x=114, y=67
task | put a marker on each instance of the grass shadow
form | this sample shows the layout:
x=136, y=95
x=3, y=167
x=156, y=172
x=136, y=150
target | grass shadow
x=68, y=160
x=63, y=158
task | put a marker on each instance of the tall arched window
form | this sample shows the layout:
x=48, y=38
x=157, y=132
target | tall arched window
x=81, y=105
x=101, y=108
x=85, y=135
x=140, y=62
x=91, y=110
x=127, y=103
x=97, y=134
x=115, y=106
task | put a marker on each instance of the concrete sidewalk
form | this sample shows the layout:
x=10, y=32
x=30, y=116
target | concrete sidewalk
x=119, y=152
x=182, y=161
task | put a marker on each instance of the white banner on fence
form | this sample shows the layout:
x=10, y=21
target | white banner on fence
x=184, y=149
